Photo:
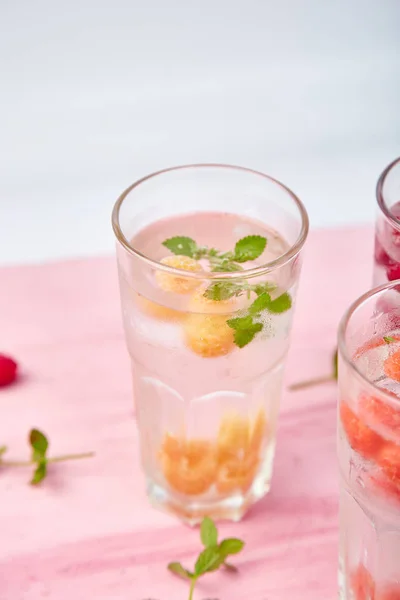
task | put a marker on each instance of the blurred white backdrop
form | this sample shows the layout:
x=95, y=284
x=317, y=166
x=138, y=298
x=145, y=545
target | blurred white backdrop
x=95, y=94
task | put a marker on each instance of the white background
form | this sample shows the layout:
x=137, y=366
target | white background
x=95, y=94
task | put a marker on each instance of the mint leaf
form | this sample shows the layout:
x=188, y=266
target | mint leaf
x=241, y=323
x=39, y=473
x=231, y=546
x=280, y=304
x=209, y=560
x=267, y=286
x=245, y=330
x=222, y=290
x=178, y=569
x=182, y=245
x=388, y=339
x=39, y=443
x=261, y=303
x=249, y=248
x=208, y=532
x=3, y=450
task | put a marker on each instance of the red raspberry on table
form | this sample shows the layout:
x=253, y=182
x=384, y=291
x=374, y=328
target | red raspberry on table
x=360, y=437
x=8, y=370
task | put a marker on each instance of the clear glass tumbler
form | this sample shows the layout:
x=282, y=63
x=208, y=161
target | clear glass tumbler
x=209, y=261
x=387, y=231
x=369, y=447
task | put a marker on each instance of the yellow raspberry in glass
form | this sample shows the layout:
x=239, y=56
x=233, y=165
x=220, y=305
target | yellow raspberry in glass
x=157, y=311
x=208, y=335
x=233, y=437
x=258, y=432
x=189, y=466
x=237, y=474
x=174, y=283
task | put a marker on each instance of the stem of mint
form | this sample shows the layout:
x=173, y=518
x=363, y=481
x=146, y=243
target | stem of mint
x=192, y=586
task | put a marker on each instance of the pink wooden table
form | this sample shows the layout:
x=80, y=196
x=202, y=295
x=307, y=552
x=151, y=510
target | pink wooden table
x=88, y=532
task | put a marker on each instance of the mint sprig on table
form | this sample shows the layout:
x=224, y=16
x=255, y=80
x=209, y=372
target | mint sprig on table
x=211, y=558
x=250, y=323
x=39, y=459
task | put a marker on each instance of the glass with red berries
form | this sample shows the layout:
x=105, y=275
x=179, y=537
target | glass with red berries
x=209, y=261
x=387, y=231
x=369, y=447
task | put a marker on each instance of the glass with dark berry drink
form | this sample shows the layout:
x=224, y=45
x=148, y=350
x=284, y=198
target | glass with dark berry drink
x=209, y=261
x=369, y=447
x=387, y=232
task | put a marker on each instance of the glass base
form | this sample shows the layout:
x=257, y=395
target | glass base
x=192, y=512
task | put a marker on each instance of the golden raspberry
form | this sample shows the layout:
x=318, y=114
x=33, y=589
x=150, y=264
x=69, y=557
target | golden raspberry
x=189, y=466
x=174, y=283
x=208, y=335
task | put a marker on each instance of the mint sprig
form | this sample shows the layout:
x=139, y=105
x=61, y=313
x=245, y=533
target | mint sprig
x=248, y=325
x=39, y=446
x=247, y=248
x=211, y=558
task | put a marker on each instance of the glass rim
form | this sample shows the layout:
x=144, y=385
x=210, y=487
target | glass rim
x=387, y=213
x=343, y=325
x=202, y=275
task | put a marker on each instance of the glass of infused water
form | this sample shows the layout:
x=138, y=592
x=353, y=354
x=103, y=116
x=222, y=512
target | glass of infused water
x=209, y=262
x=387, y=229
x=369, y=447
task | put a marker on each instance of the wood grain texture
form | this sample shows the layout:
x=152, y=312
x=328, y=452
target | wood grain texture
x=89, y=532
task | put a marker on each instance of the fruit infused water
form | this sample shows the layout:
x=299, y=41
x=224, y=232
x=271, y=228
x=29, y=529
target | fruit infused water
x=387, y=230
x=369, y=449
x=207, y=300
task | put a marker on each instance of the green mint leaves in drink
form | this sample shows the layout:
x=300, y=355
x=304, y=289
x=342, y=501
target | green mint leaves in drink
x=247, y=248
x=210, y=559
x=250, y=323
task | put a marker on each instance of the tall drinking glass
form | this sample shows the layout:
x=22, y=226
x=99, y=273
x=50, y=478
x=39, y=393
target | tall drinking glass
x=387, y=230
x=209, y=261
x=369, y=447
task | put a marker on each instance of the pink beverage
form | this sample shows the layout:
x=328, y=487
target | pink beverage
x=369, y=449
x=207, y=299
x=387, y=231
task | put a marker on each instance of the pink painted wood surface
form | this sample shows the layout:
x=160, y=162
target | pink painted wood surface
x=88, y=532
